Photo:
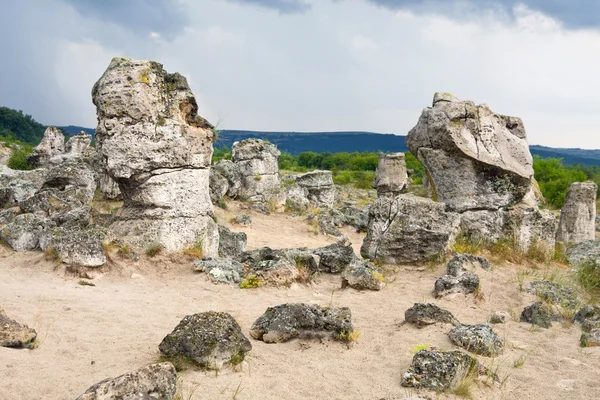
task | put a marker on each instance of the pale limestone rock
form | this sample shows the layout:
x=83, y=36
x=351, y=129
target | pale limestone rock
x=52, y=144
x=258, y=165
x=578, y=215
x=392, y=177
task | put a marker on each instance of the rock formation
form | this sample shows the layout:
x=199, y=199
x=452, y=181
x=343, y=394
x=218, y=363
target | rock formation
x=408, y=229
x=14, y=334
x=258, y=165
x=475, y=159
x=156, y=147
x=315, y=188
x=479, y=339
x=52, y=144
x=428, y=314
x=578, y=215
x=391, y=178
x=78, y=145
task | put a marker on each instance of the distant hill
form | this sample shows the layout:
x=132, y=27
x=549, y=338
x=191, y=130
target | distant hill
x=18, y=125
x=73, y=130
x=569, y=156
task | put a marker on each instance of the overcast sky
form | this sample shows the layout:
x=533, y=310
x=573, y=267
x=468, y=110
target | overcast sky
x=317, y=65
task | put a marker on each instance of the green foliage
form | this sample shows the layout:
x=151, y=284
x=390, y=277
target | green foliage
x=588, y=275
x=15, y=125
x=18, y=158
x=222, y=153
x=154, y=249
x=555, y=178
x=250, y=282
x=358, y=179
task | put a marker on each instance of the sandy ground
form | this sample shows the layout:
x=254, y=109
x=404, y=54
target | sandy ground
x=90, y=333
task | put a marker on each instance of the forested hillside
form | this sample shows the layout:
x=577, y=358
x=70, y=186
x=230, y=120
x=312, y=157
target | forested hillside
x=20, y=126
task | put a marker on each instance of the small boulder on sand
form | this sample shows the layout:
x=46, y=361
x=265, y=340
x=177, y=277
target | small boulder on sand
x=479, y=339
x=428, y=314
x=14, y=334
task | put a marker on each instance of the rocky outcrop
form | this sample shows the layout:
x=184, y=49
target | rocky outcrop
x=584, y=253
x=79, y=145
x=428, y=314
x=500, y=317
x=211, y=339
x=408, y=229
x=287, y=321
x=539, y=314
x=221, y=270
x=14, y=334
x=475, y=159
x=479, y=339
x=75, y=245
x=441, y=371
x=156, y=382
x=154, y=144
x=578, y=214
x=258, y=164
x=315, y=188
x=231, y=244
x=391, y=176
x=27, y=232
x=52, y=144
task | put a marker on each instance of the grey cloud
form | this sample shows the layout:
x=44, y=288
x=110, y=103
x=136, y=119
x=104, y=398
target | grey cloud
x=283, y=6
x=573, y=13
x=165, y=17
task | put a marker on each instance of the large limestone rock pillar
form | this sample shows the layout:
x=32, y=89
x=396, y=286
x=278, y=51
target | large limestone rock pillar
x=155, y=146
x=258, y=165
x=392, y=177
x=578, y=215
x=52, y=144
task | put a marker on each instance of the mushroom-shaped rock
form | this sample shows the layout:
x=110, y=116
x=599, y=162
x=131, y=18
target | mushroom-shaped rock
x=391, y=175
x=475, y=159
x=479, y=339
x=428, y=314
x=153, y=143
x=156, y=382
x=287, y=321
x=52, y=144
x=408, y=229
x=578, y=214
x=211, y=339
x=14, y=334
x=440, y=370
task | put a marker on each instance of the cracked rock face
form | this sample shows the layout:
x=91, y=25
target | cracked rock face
x=475, y=159
x=392, y=176
x=578, y=215
x=52, y=144
x=258, y=164
x=408, y=229
x=155, y=146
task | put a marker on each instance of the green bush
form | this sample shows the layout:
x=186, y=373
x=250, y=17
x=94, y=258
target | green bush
x=18, y=158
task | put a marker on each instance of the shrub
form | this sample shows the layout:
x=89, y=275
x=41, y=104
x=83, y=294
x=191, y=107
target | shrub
x=154, y=249
x=18, y=158
x=588, y=275
x=250, y=282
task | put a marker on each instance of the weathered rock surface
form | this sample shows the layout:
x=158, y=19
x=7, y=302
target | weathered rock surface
x=440, y=371
x=288, y=321
x=273, y=266
x=461, y=263
x=109, y=188
x=258, y=165
x=335, y=257
x=391, y=176
x=428, y=314
x=479, y=339
x=79, y=145
x=27, y=232
x=591, y=338
x=539, y=314
x=231, y=244
x=211, y=339
x=578, y=214
x=225, y=179
x=362, y=275
x=554, y=293
x=459, y=278
x=500, y=317
x=588, y=317
x=243, y=220
x=408, y=229
x=357, y=217
x=155, y=382
x=583, y=253
x=52, y=144
x=316, y=187
x=475, y=159
x=78, y=246
x=14, y=334
x=153, y=143
x=220, y=270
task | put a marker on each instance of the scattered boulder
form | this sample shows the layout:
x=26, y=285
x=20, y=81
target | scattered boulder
x=361, y=275
x=156, y=382
x=78, y=246
x=479, y=339
x=408, y=229
x=231, y=244
x=584, y=253
x=27, y=232
x=317, y=187
x=588, y=317
x=578, y=214
x=153, y=143
x=258, y=164
x=52, y=144
x=287, y=321
x=461, y=263
x=211, y=339
x=440, y=370
x=428, y=314
x=243, y=220
x=14, y=334
x=273, y=266
x=591, y=338
x=220, y=270
x=391, y=176
x=539, y=314
x=475, y=159
x=554, y=293
x=335, y=257
x=500, y=317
